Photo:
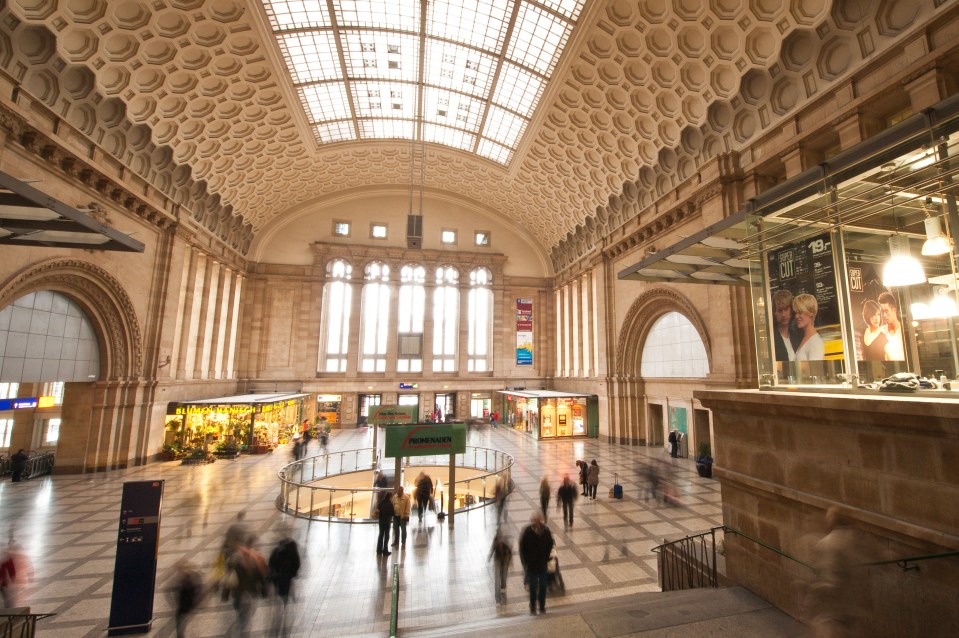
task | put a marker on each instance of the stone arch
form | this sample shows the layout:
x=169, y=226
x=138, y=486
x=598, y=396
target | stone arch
x=102, y=298
x=648, y=307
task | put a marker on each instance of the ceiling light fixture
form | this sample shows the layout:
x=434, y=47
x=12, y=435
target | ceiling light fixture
x=902, y=269
x=936, y=242
x=414, y=221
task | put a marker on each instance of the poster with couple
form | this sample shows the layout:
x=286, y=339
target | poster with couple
x=875, y=315
x=803, y=298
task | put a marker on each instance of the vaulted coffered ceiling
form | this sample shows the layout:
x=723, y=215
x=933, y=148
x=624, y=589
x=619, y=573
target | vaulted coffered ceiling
x=196, y=95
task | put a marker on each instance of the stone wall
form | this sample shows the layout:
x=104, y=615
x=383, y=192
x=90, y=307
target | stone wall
x=888, y=464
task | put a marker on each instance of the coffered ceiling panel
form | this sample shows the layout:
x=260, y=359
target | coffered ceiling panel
x=256, y=111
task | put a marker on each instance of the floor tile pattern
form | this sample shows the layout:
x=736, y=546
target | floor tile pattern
x=67, y=526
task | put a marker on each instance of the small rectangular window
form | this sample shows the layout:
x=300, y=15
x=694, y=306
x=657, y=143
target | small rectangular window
x=378, y=231
x=482, y=238
x=448, y=237
x=52, y=432
x=341, y=229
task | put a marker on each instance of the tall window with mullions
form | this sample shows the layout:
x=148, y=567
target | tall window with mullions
x=446, y=301
x=376, y=317
x=480, y=320
x=410, y=317
x=335, y=329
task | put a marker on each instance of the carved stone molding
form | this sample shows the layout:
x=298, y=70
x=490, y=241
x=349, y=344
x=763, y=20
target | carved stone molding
x=648, y=307
x=101, y=296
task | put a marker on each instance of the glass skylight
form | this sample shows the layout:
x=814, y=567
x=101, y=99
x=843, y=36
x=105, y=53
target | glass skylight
x=359, y=75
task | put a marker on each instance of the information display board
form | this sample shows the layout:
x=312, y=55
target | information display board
x=134, y=573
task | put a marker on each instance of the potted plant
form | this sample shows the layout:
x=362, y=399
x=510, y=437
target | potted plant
x=170, y=452
x=704, y=460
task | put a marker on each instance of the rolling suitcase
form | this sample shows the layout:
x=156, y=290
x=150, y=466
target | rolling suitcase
x=617, y=488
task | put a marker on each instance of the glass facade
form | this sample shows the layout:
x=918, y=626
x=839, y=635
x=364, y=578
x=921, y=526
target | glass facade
x=854, y=277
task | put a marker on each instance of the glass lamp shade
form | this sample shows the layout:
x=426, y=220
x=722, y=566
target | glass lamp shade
x=936, y=243
x=943, y=306
x=902, y=269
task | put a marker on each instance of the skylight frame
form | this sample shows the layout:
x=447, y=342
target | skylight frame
x=495, y=57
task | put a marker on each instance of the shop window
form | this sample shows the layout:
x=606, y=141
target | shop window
x=9, y=390
x=337, y=305
x=674, y=349
x=412, y=302
x=446, y=301
x=376, y=316
x=6, y=432
x=51, y=431
x=480, y=320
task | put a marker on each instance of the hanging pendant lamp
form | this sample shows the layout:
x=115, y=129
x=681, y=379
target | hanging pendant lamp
x=902, y=269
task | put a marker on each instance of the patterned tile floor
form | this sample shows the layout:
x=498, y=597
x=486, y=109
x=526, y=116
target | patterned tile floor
x=67, y=525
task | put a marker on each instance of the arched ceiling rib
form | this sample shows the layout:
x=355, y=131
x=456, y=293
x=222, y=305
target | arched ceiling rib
x=655, y=83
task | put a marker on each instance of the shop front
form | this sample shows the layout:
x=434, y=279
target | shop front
x=254, y=423
x=328, y=409
x=549, y=414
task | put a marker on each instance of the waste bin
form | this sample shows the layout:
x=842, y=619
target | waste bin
x=683, y=451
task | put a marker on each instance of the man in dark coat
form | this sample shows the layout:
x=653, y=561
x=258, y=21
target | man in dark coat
x=284, y=565
x=18, y=463
x=535, y=545
x=384, y=513
x=566, y=494
x=423, y=493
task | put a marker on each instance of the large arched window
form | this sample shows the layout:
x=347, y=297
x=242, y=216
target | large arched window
x=335, y=328
x=480, y=320
x=412, y=306
x=673, y=348
x=446, y=301
x=376, y=317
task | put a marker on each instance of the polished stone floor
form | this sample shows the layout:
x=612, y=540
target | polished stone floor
x=68, y=527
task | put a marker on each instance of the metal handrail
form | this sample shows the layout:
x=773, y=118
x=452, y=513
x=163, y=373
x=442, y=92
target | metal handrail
x=20, y=625
x=775, y=550
x=901, y=562
x=304, y=474
x=687, y=563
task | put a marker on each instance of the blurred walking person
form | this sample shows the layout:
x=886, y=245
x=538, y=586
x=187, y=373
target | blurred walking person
x=187, y=594
x=500, y=494
x=545, y=491
x=424, y=493
x=284, y=565
x=535, y=546
x=565, y=496
x=13, y=575
x=502, y=554
x=247, y=573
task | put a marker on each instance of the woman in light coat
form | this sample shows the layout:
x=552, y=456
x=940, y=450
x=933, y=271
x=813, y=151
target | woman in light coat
x=592, y=479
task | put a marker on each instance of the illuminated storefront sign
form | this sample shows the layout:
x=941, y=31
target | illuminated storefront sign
x=236, y=408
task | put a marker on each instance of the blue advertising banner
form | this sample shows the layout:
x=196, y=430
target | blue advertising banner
x=524, y=332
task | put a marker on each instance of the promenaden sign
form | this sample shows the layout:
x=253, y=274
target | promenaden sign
x=425, y=439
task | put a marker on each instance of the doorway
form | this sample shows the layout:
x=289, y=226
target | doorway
x=654, y=424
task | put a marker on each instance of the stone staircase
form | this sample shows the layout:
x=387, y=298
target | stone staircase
x=731, y=612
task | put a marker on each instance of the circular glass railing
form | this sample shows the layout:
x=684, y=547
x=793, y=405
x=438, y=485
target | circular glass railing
x=338, y=487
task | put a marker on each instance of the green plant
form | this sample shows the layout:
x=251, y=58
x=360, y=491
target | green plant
x=704, y=453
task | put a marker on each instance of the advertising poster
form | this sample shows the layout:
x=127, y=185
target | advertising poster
x=804, y=302
x=524, y=332
x=875, y=315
